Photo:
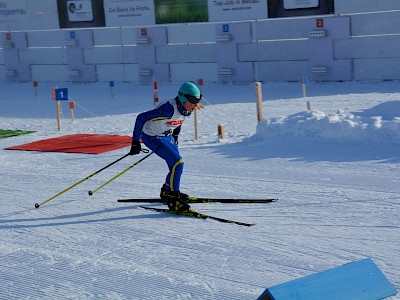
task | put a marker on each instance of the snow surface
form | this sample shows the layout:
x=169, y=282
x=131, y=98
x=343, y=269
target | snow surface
x=335, y=170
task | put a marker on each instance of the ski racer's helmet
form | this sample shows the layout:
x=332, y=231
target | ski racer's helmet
x=189, y=92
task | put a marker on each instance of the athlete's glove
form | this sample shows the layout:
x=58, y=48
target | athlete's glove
x=135, y=148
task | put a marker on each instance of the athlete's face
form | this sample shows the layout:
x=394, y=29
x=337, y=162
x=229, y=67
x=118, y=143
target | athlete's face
x=190, y=107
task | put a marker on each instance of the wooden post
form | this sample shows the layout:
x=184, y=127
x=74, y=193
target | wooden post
x=221, y=131
x=35, y=85
x=259, y=101
x=58, y=111
x=196, y=120
x=304, y=81
x=196, y=127
x=112, y=89
x=309, y=105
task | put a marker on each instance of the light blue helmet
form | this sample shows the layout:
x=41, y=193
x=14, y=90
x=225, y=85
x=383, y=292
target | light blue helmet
x=189, y=92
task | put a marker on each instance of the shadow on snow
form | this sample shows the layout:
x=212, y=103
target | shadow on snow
x=310, y=151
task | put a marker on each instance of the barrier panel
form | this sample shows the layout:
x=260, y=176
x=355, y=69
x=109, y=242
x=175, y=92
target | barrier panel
x=361, y=280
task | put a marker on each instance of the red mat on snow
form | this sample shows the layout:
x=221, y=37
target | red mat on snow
x=78, y=143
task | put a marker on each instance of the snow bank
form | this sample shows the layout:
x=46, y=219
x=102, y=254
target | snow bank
x=377, y=125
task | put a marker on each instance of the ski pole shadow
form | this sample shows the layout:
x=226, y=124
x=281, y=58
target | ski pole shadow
x=71, y=219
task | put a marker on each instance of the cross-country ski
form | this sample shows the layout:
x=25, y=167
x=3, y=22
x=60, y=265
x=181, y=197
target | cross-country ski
x=195, y=214
x=202, y=200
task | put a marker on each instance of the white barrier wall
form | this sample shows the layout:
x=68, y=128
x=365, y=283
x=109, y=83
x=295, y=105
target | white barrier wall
x=376, y=23
x=360, y=42
x=365, y=6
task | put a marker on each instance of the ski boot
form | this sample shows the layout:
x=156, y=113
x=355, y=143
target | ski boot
x=175, y=199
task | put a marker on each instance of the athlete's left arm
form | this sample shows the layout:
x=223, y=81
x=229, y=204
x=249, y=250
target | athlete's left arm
x=164, y=111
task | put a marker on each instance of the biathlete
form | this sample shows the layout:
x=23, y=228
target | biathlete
x=159, y=129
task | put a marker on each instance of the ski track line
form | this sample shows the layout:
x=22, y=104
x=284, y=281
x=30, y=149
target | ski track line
x=203, y=249
x=221, y=279
x=55, y=265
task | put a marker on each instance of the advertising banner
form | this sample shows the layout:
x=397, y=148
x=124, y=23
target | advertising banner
x=129, y=12
x=181, y=11
x=114, y=13
x=237, y=10
x=149, y=12
x=13, y=11
x=297, y=8
x=80, y=13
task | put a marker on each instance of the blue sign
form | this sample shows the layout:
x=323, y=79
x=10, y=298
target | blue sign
x=225, y=28
x=304, y=80
x=111, y=83
x=72, y=34
x=61, y=94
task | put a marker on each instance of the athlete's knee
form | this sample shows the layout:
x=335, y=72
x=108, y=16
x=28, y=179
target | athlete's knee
x=174, y=160
x=179, y=165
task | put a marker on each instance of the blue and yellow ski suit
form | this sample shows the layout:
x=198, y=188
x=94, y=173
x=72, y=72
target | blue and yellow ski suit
x=158, y=129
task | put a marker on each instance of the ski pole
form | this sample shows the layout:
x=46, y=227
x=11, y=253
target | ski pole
x=119, y=174
x=37, y=205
